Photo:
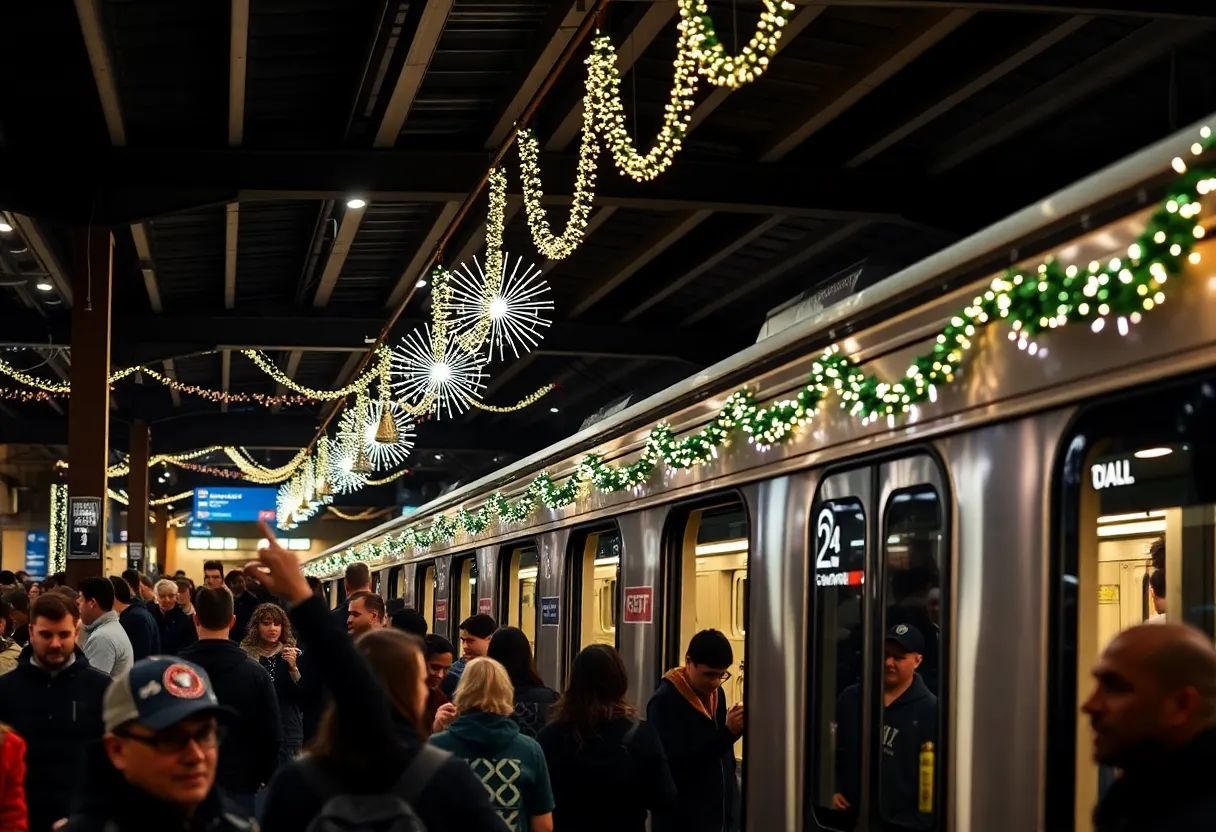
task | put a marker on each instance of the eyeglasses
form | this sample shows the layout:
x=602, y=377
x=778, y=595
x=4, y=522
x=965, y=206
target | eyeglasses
x=175, y=740
x=720, y=677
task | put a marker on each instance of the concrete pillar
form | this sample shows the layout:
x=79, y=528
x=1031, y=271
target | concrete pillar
x=89, y=414
x=162, y=541
x=137, y=490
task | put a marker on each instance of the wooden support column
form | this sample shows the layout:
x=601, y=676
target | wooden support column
x=137, y=490
x=89, y=412
x=162, y=540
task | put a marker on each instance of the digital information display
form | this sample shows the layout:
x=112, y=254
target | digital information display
x=234, y=504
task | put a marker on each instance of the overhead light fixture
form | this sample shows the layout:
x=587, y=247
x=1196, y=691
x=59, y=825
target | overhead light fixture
x=1126, y=518
x=724, y=547
x=5, y=228
x=421, y=283
x=356, y=202
x=553, y=410
x=1125, y=529
x=43, y=286
x=1153, y=453
x=438, y=457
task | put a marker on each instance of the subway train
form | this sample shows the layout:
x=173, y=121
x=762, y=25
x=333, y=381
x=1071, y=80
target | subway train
x=1009, y=518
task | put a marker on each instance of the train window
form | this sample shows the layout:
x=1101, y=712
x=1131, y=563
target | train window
x=838, y=634
x=464, y=590
x=1138, y=545
x=426, y=595
x=912, y=555
x=595, y=566
x=522, y=564
x=714, y=554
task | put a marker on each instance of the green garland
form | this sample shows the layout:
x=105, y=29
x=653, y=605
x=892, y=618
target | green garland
x=1032, y=301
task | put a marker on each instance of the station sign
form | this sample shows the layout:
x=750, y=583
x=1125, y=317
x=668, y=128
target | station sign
x=37, y=552
x=441, y=610
x=639, y=605
x=235, y=504
x=550, y=611
x=135, y=555
x=1111, y=474
x=84, y=528
x=485, y=606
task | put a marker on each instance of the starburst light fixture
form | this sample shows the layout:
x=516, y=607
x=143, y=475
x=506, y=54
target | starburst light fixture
x=342, y=477
x=439, y=373
x=515, y=310
x=383, y=456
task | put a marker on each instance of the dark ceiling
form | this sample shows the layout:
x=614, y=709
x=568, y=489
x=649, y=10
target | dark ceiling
x=883, y=129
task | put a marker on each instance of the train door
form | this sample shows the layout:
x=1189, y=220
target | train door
x=1136, y=485
x=708, y=563
x=464, y=588
x=520, y=567
x=878, y=547
x=593, y=587
x=425, y=593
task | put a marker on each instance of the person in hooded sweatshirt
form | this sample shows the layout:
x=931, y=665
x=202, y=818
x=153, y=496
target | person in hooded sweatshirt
x=533, y=699
x=155, y=767
x=511, y=766
x=909, y=722
x=250, y=754
x=54, y=701
x=699, y=732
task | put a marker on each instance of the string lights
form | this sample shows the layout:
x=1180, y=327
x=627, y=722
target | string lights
x=271, y=369
x=526, y=401
x=553, y=247
x=14, y=395
x=57, y=536
x=709, y=55
x=1033, y=301
x=382, y=455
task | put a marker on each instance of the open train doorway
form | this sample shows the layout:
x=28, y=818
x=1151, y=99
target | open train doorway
x=520, y=564
x=707, y=554
x=425, y=593
x=594, y=573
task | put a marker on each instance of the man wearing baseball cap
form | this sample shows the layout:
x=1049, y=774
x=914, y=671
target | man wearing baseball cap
x=155, y=766
x=909, y=722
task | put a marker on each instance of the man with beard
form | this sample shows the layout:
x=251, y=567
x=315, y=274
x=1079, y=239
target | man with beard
x=1153, y=711
x=54, y=701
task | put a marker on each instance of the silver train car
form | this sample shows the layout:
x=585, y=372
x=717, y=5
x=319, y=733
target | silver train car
x=1013, y=515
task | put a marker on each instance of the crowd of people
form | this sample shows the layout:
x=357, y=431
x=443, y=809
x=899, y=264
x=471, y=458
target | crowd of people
x=248, y=703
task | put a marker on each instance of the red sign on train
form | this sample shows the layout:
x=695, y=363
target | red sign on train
x=485, y=605
x=639, y=604
x=441, y=610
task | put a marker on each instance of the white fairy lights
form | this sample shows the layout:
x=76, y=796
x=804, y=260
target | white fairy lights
x=721, y=69
x=382, y=455
x=447, y=378
x=551, y=246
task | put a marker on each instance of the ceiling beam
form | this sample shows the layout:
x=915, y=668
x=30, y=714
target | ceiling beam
x=813, y=246
x=289, y=369
x=347, y=229
x=232, y=230
x=238, y=49
x=565, y=26
x=653, y=298
x=904, y=45
x=1185, y=10
x=88, y=12
x=1112, y=64
x=921, y=113
x=147, y=267
x=171, y=372
x=643, y=34
x=417, y=59
x=663, y=239
x=45, y=254
x=414, y=270
x=225, y=375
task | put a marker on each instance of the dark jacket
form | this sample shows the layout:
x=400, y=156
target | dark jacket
x=105, y=802
x=635, y=774
x=532, y=706
x=454, y=800
x=177, y=631
x=511, y=766
x=56, y=716
x=340, y=614
x=141, y=629
x=1170, y=792
x=242, y=608
x=908, y=723
x=287, y=691
x=701, y=755
x=250, y=752
x=449, y=683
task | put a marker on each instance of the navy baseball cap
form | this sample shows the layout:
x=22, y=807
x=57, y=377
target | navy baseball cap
x=907, y=637
x=159, y=692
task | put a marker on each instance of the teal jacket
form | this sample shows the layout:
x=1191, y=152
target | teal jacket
x=510, y=765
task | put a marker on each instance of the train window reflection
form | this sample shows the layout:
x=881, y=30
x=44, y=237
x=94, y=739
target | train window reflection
x=464, y=589
x=596, y=557
x=427, y=596
x=522, y=567
x=912, y=553
x=838, y=633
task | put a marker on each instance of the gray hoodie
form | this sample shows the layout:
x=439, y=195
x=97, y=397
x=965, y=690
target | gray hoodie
x=107, y=647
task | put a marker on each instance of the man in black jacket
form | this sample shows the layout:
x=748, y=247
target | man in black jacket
x=243, y=604
x=358, y=579
x=699, y=733
x=251, y=751
x=54, y=701
x=141, y=628
x=1153, y=711
x=155, y=768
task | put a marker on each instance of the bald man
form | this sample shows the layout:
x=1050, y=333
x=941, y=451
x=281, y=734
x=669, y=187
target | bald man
x=1153, y=712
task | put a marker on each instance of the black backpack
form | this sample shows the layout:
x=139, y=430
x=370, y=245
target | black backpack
x=389, y=811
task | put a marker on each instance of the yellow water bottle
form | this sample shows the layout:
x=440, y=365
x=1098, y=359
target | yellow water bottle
x=926, y=778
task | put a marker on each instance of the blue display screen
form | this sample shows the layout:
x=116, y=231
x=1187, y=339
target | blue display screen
x=234, y=504
x=37, y=549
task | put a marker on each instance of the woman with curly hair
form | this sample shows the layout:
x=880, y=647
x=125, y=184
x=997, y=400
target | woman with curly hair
x=269, y=640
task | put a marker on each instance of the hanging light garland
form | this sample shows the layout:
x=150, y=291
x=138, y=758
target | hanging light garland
x=709, y=55
x=1032, y=301
x=526, y=401
x=14, y=395
x=271, y=369
x=553, y=247
x=57, y=535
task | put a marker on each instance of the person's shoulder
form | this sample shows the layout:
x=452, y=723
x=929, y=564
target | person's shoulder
x=444, y=740
x=94, y=678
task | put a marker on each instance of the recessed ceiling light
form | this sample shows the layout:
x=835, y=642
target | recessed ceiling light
x=5, y=228
x=43, y=286
x=421, y=282
x=1152, y=453
x=356, y=202
x=438, y=456
x=553, y=410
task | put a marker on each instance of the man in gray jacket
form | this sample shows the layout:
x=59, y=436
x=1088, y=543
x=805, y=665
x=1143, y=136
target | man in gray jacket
x=106, y=646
